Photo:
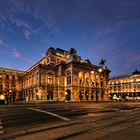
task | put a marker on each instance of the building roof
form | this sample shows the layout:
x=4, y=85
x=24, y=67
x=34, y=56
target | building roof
x=11, y=70
x=120, y=76
x=136, y=72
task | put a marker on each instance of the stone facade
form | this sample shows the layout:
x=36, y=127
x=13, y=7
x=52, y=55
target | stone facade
x=63, y=76
x=9, y=82
x=125, y=87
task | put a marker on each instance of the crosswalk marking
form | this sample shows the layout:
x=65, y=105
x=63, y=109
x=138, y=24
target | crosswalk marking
x=52, y=114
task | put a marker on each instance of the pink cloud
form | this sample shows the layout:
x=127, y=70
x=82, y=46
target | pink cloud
x=17, y=54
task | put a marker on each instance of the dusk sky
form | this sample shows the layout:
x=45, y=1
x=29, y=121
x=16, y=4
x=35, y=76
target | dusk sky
x=108, y=29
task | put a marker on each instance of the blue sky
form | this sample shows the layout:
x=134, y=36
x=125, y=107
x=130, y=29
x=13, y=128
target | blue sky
x=108, y=29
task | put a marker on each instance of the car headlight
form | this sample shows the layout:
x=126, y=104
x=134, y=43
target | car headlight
x=2, y=97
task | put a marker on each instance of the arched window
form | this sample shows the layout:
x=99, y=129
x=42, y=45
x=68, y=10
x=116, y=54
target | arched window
x=81, y=75
x=92, y=84
x=87, y=79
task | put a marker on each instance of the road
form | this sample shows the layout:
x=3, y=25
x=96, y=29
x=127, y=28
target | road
x=68, y=120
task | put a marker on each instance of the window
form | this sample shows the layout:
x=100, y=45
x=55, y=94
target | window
x=92, y=84
x=6, y=86
x=13, y=77
x=68, y=80
x=36, y=77
x=7, y=76
x=13, y=86
x=48, y=60
x=80, y=82
x=50, y=80
x=19, y=77
x=1, y=87
x=86, y=84
x=101, y=83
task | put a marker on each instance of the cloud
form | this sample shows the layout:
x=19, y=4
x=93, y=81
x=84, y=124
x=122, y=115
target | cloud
x=3, y=44
x=52, y=12
x=47, y=11
x=27, y=34
x=20, y=23
x=17, y=54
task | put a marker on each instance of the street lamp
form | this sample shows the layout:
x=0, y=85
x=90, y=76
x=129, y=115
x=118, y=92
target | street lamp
x=96, y=92
x=10, y=96
x=97, y=85
x=100, y=70
x=92, y=72
x=37, y=95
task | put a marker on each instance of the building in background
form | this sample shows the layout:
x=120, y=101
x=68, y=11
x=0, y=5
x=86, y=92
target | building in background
x=9, y=83
x=125, y=87
x=62, y=75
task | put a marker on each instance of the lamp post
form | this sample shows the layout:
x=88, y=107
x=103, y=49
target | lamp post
x=37, y=96
x=97, y=85
x=96, y=93
x=10, y=96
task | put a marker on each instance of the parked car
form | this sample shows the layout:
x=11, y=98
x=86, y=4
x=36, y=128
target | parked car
x=2, y=99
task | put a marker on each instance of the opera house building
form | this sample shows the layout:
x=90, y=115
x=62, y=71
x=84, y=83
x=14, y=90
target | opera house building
x=59, y=76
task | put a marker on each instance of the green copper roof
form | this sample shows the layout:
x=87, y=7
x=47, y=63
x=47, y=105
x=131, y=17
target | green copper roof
x=11, y=70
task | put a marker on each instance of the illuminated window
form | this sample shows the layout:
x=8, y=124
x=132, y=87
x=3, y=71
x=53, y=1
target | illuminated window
x=86, y=84
x=13, y=87
x=50, y=80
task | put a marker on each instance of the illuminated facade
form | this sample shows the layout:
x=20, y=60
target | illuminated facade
x=125, y=87
x=9, y=82
x=62, y=75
